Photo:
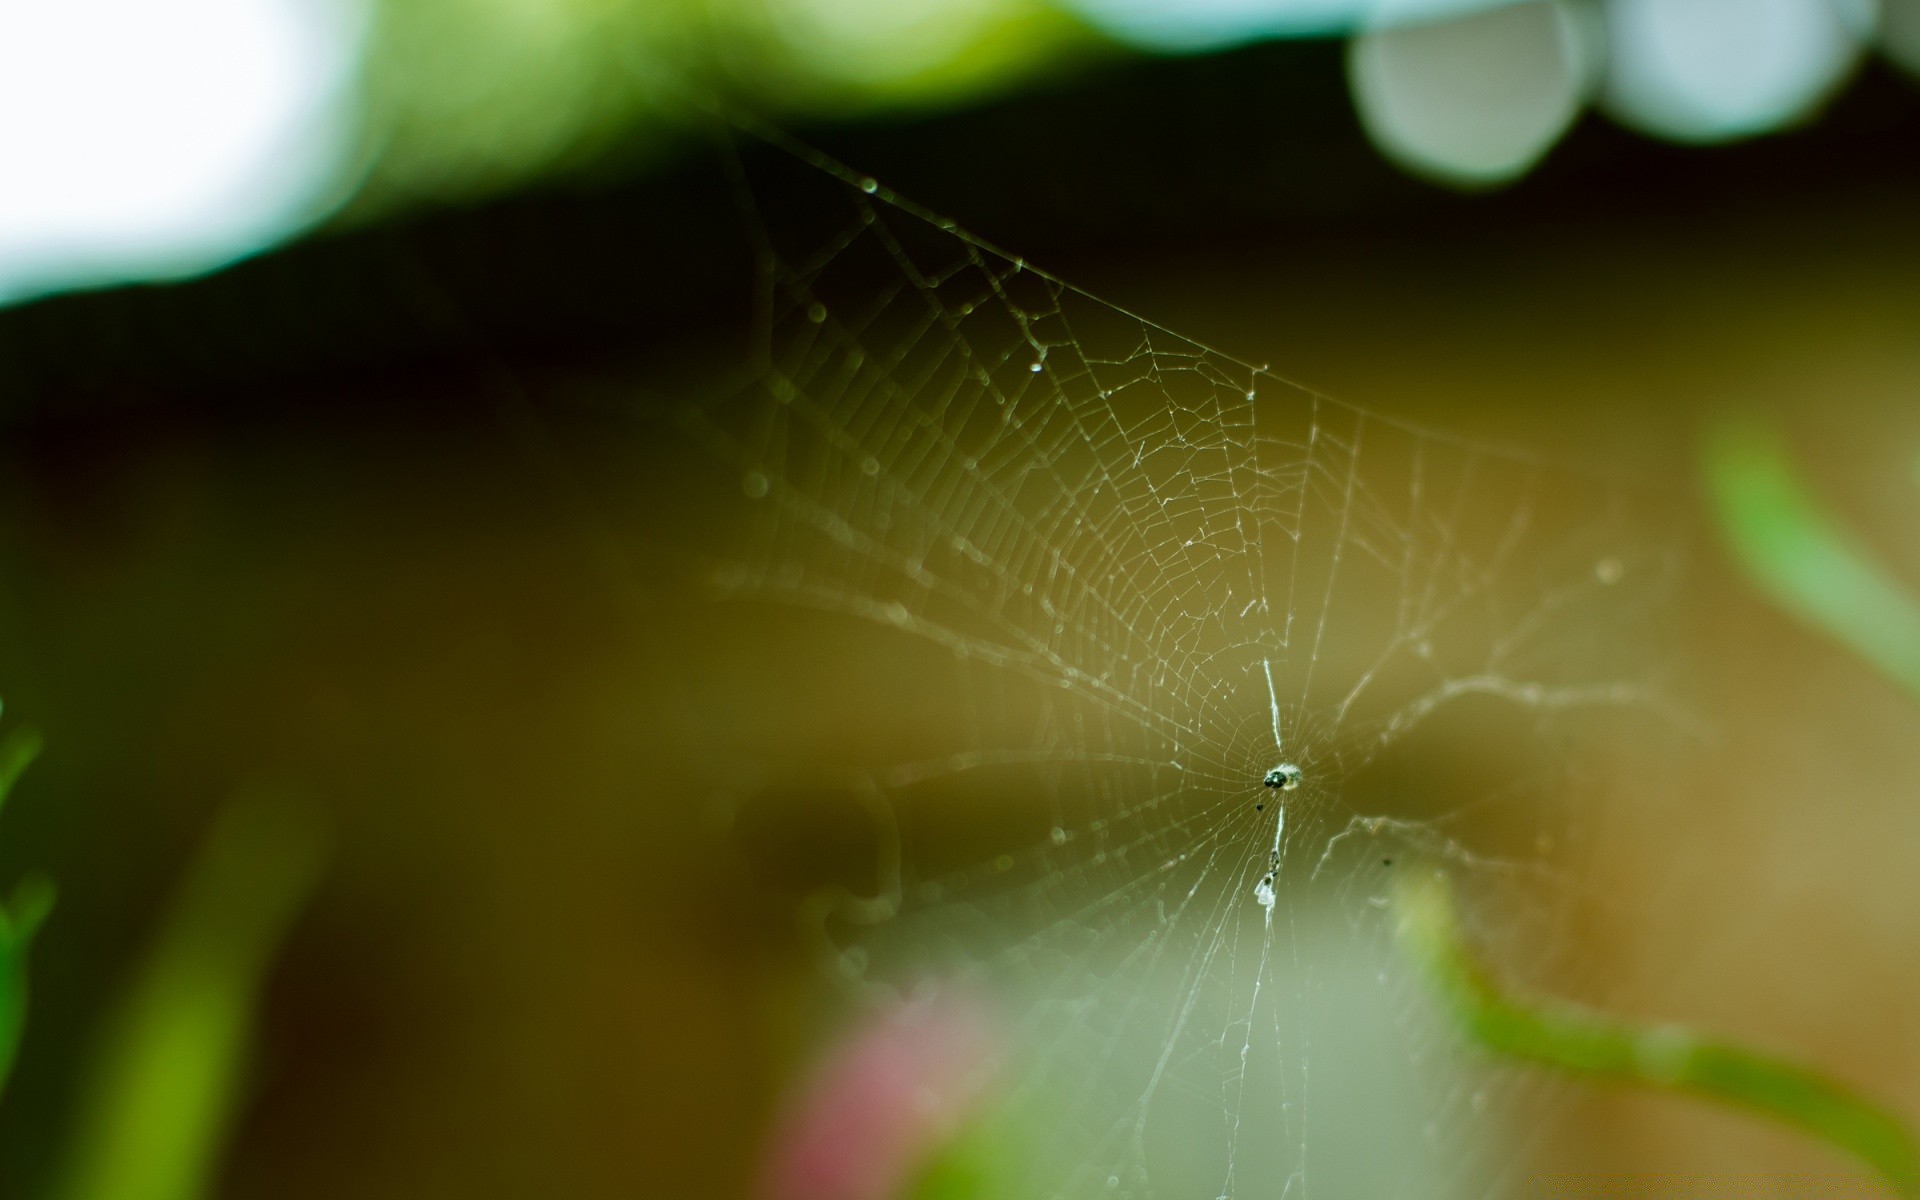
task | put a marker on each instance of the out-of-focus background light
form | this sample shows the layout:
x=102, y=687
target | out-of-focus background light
x=1213, y=24
x=141, y=142
x=1710, y=70
x=1477, y=99
x=150, y=140
x=461, y=98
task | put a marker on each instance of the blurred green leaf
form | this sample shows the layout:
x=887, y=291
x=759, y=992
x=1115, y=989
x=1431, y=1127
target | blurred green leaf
x=987, y=1160
x=466, y=98
x=156, y=1112
x=17, y=752
x=1801, y=556
x=20, y=918
x=1659, y=1056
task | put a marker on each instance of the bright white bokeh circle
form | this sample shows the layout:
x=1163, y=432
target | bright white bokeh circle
x=142, y=139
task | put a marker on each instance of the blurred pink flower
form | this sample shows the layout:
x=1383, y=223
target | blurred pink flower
x=885, y=1100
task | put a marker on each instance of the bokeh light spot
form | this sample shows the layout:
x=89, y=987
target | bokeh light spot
x=1475, y=100
x=1192, y=26
x=142, y=140
x=1713, y=70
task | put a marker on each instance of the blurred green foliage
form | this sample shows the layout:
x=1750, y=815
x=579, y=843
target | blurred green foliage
x=1802, y=558
x=1667, y=1057
x=21, y=916
x=155, y=1113
x=464, y=98
x=988, y=1160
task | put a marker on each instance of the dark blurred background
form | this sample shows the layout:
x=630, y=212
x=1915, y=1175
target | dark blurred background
x=328, y=471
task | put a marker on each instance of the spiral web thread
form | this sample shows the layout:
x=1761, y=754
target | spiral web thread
x=1154, y=573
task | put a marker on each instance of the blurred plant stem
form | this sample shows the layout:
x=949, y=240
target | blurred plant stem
x=1800, y=555
x=1673, y=1059
x=21, y=916
x=154, y=1115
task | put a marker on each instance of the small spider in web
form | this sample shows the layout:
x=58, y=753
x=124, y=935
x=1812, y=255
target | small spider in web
x=1283, y=778
x=1286, y=777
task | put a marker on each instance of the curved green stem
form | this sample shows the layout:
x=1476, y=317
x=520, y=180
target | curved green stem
x=1670, y=1058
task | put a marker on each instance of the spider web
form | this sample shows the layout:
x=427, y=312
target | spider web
x=1091, y=582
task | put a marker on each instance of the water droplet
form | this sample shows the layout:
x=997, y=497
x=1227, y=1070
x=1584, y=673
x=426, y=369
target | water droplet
x=1058, y=837
x=754, y=485
x=1036, y=368
x=869, y=465
x=816, y=312
x=869, y=185
x=1608, y=571
x=1003, y=864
